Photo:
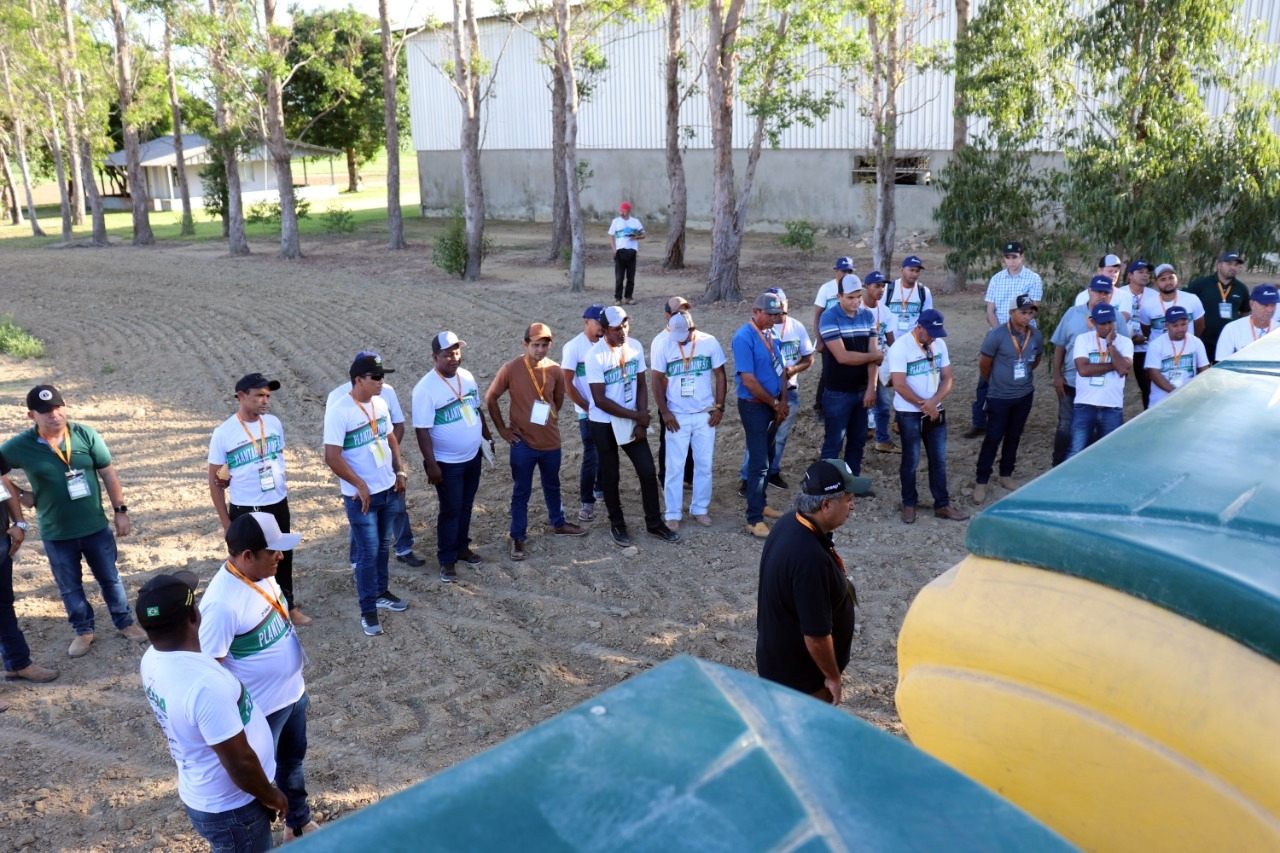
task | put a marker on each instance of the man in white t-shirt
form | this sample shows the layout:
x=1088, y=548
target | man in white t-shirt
x=920, y=370
x=873, y=288
x=619, y=420
x=689, y=384
x=1103, y=359
x=828, y=296
x=217, y=735
x=671, y=306
x=573, y=361
x=1238, y=334
x=246, y=470
x=245, y=626
x=361, y=449
x=453, y=436
x=402, y=535
x=1159, y=299
x=1175, y=357
x=625, y=234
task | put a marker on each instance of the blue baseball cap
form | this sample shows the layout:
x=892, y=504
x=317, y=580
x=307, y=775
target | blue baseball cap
x=931, y=321
x=1134, y=266
x=1265, y=294
x=1229, y=256
x=912, y=261
x=1102, y=284
x=844, y=264
x=1177, y=312
x=1102, y=313
x=874, y=277
x=594, y=312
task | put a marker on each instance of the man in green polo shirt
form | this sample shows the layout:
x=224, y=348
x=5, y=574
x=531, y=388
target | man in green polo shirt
x=63, y=463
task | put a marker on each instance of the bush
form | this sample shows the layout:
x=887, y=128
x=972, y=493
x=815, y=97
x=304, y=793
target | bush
x=17, y=341
x=268, y=212
x=801, y=235
x=450, y=250
x=338, y=220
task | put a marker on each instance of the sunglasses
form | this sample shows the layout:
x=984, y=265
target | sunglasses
x=376, y=377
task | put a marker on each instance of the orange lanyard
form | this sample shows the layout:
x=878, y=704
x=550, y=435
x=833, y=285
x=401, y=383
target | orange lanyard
x=1175, y=299
x=1223, y=291
x=274, y=602
x=457, y=392
x=537, y=386
x=692, y=350
x=1104, y=354
x=927, y=352
x=66, y=437
x=1014, y=338
x=906, y=293
x=622, y=363
x=767, y=339
x=1177, y=354
x=373, y=410
x=261, y=441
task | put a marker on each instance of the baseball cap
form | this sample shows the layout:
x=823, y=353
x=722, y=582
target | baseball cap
x=256, y=380
x=931, y=321
x=594, y=312
x=874, y=277
x=166, y=600
x=780, y=293
x=677, y=303
x=1162, y=269
x=1102, y=284
x=1229, y=256
x=1134, y=266
x=1023, y=300
x=367, y=362
x=538, y=331
x=626, y=205
x=912, y=261
x=845, y=264
x=1013, y=247
x=1109, y=261
x=256, y=531
x=1265, y=294
x=681, y=323
x=446, y=340
x=1103, y=313
x=44, y=399
x=850, y=284
x=831, y=477
x=614, y=315
x=1175, y=313
x=769, y=303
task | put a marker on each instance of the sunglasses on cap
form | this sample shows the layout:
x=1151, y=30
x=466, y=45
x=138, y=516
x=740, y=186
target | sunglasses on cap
x=376, y=377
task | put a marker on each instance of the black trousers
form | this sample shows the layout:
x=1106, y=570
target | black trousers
x=280, y=511
x=624, y=266
x=641, y=459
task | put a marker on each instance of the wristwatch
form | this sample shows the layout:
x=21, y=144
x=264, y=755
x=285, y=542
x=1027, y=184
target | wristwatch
x=121, y=510
x=21, y=525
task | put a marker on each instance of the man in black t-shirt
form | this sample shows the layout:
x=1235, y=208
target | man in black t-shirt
x=13, y=532
x=805, y=612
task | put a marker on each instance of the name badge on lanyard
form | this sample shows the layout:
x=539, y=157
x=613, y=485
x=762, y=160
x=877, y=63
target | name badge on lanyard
x=904, y=322
x=687, y=384
x=628, y=390
x=381, y=452
x=1019, y=371
x=468, y=413
x=267, y=477
x=1224, y=310
x=77, y=485
x=541, y=412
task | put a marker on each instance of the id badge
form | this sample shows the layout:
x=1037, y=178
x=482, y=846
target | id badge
x=904, y=323
x=686, y=386
x=267, y=477
x=778, y=368
x=541, y=412
x=628, y=391
x=1224, y=310
x=77, y=486
x=1177, y=378
x=1019, y=371
x=381, y=452
x=468, y=414
x=1098, y=380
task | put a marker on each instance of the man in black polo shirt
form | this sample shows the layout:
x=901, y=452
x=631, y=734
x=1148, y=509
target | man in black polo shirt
x=1225, y=298
x=805, y=611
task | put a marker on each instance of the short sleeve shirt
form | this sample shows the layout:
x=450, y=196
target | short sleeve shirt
x=528, y=386
x=905, y=304
x=829, y=293
x=689, y=369
x=1007, y=349
x=574, y=357
x=624, y=231
x=922, y=368
x=618, y=370
x=1106, y=391
x=61, y=516
x=1238, y=334
x=388, y=395
x=760, y=354
x=1151, y=311
x=796, y=344
x=837, y=328
x=1003, y=288
x=1177, y=362
x=254, y=453
x=450, y=408
x=361, y=430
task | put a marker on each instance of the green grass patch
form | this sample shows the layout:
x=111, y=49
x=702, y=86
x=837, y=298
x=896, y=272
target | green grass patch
x=17, y=341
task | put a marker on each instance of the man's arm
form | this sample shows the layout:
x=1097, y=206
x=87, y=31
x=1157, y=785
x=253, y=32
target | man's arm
x=984, y=365
x=642, y=405
x=1199, y=326
x=397, y=464
x=218, y=494
x=115, y=494
x=823, y=652
x=817, y=317
x=778, y=404
x=434, y=475
x=511, y=435
x=945, y=383
x=1059, y=378
x=572, y=390
x=339, y=465
x=805, y=362
x=721, y=385
x=1158, y=380
x=669, y=421
x=16, y=534
x=852, y=358
x=992, y=320
x=242, y=765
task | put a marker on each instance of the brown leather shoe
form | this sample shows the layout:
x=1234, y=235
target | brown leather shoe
x=980, y=493
x=975, y=432
x=1010, y=483
x=886, y=447
x=770, y=512
x=297, y=617
x=133, y=632
x=32, y=672
x=517, y=549
x=80, y=646
x=908, y=515
x=569, y=529
x=950, y=513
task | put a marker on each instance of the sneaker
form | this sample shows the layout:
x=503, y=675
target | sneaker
x=666, y=534
x=777, y=482
x=448, y=573
x=629, y=301
x=470, y=557
x=886, y=447
x=31, y=672
x=760, y=530
x=80, y=646
x=620, y=536
x=369, y=622
x=568, y=529
x=587, y=513
x=411, y=559
x=770, y=512
x=390, y=601
x=133, y=632
x=742, y=488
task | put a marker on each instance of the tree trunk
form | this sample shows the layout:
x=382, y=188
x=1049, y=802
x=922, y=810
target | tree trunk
x=956, y=278
x=884, y=134
x=678, y=213
x=142, y=235
x=10, y=188
x=561, y=235
x=233, y=214
x=726, y=245
x=353, y=172
x=562, y=10
x=175, y=108
x=390, y=75
x=59, y=167
x=88, y=186
x=467, y=83
x=71, y=139
x=281, y=156
x=20, y=144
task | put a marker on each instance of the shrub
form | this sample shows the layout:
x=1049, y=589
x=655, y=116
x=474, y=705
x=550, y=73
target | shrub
x=801, y=235
x=17, y=341
x=450, y=250
x=338, y=220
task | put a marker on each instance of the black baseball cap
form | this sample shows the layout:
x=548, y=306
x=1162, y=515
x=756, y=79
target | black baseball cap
x=43, y=399
x=166, y=600
x=259, y=531
x=368, y=362
x=831, y=477
x=256, y=380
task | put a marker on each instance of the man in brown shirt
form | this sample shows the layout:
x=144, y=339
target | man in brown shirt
x=537, y=388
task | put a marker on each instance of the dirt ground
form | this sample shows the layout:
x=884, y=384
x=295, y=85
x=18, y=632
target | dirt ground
x=146, y=345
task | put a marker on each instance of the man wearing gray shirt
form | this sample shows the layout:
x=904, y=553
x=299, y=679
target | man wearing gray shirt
x=1010, y=355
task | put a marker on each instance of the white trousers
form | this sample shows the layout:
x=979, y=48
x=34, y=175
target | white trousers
x=694, y=431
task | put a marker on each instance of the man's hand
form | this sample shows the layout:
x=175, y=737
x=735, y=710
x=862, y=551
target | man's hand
x=714, y=417
x=122, y=523
x=1060, y=385
x=642, y=421
x=362, y=492
x=930, y=409
x=434, y=475
x=16, y=537
x=869, y=399
x=780, y=413
x=402, y=482
x=669, y=420
x=833, y=687
x=277, y=802
x=511, y=435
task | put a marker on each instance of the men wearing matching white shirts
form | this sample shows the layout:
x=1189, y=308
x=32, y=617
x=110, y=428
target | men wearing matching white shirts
x=573, y=361
x=1175, y=357
x=1103, y=359
x=1238, y=334
x=671, y=306
x=246, y=470
x=920, y=370
x=619, y=417
x=1137, y=277
x=360, y=448
x=689, y=384
x=452, y=435
x=828, y=296
x=1156, y=301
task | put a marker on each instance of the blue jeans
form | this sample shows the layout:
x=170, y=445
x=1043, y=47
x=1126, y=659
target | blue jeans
x=1093, y=423
x=589, y=481
x=1062, y=434
x=523, y=460
x=1005, y=421
x=761, y=430
x=935, y=446
x=980, y=403
x=243, y=830
x=17, y=655
x=99, y=551
x=289, y=730
x=402, y=532
x=845, y=422
x=779, y=438
x=456, y=493
x=372, y=531
x=879, y=417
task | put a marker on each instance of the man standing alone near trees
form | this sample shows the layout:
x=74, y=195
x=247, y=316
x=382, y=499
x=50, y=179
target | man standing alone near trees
x=625, y=232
